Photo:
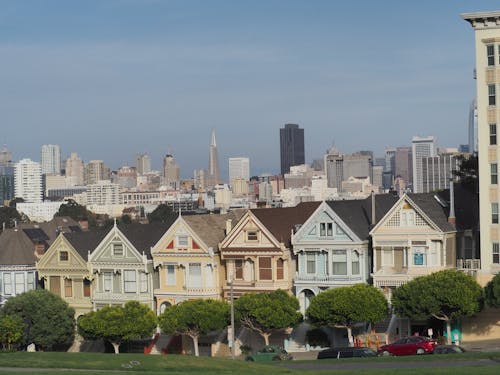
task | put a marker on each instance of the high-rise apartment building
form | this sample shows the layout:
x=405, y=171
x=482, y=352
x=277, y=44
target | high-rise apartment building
x=291, y=147
x=96, y=171
x=171, y=171
x=239, y=168
x=487, y=40
x=74, y=170
x=143, y=164
x=51, y=159
x=421, y=147
x=213, y=177
x=28, y=181
x=437, y=172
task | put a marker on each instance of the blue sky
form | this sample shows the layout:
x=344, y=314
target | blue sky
x=110, y=79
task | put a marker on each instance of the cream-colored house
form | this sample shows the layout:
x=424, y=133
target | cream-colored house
x=187, y=259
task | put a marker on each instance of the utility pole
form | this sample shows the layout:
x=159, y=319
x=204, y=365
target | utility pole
x=231, y=296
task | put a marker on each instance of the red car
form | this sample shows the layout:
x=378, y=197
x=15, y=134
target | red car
x=408, y=346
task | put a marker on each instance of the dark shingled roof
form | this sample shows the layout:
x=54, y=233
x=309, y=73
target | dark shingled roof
x=357, y=213
x=83, y=242
x=281, y=221
x=428, y=203
x=16, y=248
x=144, y=236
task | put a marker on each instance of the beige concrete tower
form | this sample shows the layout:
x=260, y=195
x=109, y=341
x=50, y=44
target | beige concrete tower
x=487, y=38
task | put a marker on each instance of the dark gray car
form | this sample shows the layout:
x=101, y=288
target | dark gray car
x=348, y=352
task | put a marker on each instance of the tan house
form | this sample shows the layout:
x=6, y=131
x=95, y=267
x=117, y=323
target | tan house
x=256, y=252
x=64, y=269
x=187, y=259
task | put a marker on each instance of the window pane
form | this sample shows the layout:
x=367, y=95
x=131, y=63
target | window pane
x=494, y=173
x=19, y=283
x=339, y=262
x=355, y=263
x=7, y=283
x=107, y=281
x=496, y=252
x=68, y=287
x=493, y=134
x=129, y=277
x=118, y=249
x=490, y=53
x=311, y=263
x=491, y=95
x=238, y=264
x=280, y=269
x=170, y=274
x=144, y=282
x=195, y=275
x=86, y=288
x=265, y=270
x=494, y=213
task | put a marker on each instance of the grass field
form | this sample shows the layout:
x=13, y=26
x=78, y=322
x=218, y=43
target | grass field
x=95, y=363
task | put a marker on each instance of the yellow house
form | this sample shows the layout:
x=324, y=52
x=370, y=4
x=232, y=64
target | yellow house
x=187, y=259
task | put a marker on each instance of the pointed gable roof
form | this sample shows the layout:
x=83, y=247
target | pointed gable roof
x=144, y=236
x=85, y=242
x=433, y=209
x=211, y=228
x=16, y=248
x=281, y=221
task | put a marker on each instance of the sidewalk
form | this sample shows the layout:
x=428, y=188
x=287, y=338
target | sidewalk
x=482, y=346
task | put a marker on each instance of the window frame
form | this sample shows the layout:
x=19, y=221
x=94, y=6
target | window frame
x=421, y=252
x=121, y=248
x=494, y=213
x=129, y=284
x=170, y=275
x=63, y=256
x=68, y=287
x=334, y=263
x=263, y=271
x=492, y=96
x=252, y=235
x=311, y=260
x=495, y=252
x=494, y=174
x=493, y=134
x=355, y=256
x=490, y=54
x=107, y=281
x=182, y=241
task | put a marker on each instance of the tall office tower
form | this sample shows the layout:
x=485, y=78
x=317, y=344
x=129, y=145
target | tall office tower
x=421, y=147
x=291, y=147
x=213, y=163
x=6, y=183
x=334, y=168
x=472, y=127
x=28, y=180
x=74, y=170
x=143, y=164
x=437, y=171
x=239, y=168
x=403, y=165
x=95, y=171
x=5, y=156
x=389, y=167
x=358, y=165
x=487, y=36
x=51, y=159
x=171, y=172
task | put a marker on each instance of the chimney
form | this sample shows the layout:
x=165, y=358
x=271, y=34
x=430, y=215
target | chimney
x=374, y=218
x=229, y=226
x=39, y=250
x=452, y=219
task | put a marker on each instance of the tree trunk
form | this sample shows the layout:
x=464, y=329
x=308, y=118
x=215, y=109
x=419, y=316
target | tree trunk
x=266, y=337
x=349, y=336
x=116, y=346
x=195, y=343
x=448, y=332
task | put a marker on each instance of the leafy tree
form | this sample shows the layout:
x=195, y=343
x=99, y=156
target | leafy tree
x=194, y=318
x=163, y=213
x=125, y=219
x=77, y=212
x=11, y=331
x=445, y=295
x=8, y=215
x=468, y=171
x=266, y=313
x=118, y=324
x=492, y=291
x=49, y=319
x=13, y=203
x=347, y=306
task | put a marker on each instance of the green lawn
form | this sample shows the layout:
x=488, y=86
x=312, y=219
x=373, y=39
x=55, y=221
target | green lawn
x=96, y=363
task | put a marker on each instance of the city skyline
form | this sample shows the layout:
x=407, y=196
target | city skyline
x=110, y=80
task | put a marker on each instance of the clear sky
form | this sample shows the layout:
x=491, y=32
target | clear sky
x=110, y=79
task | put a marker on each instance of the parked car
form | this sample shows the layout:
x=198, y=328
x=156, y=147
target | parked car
x=448, y=349
x=269, y=353
x=408, y=346
x=346, y=352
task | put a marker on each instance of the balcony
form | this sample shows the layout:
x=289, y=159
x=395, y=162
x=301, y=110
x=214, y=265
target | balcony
x=469, y=266
x=327, y=279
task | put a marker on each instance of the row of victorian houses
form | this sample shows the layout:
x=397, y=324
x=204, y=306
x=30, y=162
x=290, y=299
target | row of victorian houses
x=383, y=240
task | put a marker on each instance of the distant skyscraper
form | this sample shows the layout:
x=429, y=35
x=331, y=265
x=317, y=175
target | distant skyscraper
x=171, y=171
x=291, y=147
x=334, y=168
x=5, y=156
x=239, y=168
x=143, y=164
x=6, y=183
x=421, y=147
x=437, y=172
x=28, y=180
x=213, y=162
x=472, y=127
x=74, y=170
x=51, y=159
x=403, y=166
x=96, y=171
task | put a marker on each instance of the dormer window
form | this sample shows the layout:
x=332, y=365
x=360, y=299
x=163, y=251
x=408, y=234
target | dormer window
x=326, y=229
x=118, y=250
x=252, y=235
x=63, y=256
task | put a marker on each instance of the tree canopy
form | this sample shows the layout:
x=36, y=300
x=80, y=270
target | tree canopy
x=347, y=306
x=118, y=324
x=468, y=171
x=11, y=331
x=265, y=313
x=445, y=295
x=194, y=318
x=163, y=213
x=8, y=215
x=492, y=291
x=50, y=322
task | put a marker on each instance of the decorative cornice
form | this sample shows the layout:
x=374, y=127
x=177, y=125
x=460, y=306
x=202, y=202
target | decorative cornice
x=483, y=20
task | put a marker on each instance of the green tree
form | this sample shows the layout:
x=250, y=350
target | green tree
x=11, y=331
x=126, y=219
x=347, y=306
x=445, y=295
x=492, y=291
x=195, y=318
x=49, y=319
x=118, y=324
x=163, y=213
x=468, y=171
x=77, y=212
x=266, y=313
x=8, y=215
